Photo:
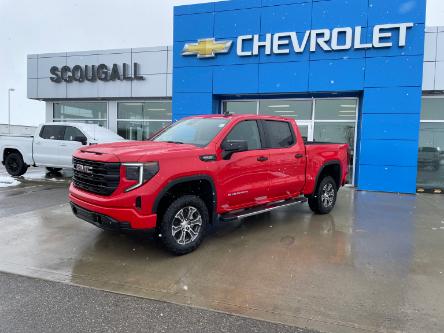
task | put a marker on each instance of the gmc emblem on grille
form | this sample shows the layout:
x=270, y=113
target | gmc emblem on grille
x=83, y=168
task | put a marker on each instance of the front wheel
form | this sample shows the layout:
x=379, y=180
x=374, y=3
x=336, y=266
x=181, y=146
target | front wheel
x=184, y=224
x=15, y=165
x=324, y=199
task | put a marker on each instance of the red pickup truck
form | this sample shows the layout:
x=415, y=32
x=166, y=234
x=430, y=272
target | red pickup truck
x=202, y=170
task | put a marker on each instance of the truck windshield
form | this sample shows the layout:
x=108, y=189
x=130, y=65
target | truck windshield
x=195, y=131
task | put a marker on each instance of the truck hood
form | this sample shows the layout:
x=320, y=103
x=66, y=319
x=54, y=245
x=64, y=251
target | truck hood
x=134, y=151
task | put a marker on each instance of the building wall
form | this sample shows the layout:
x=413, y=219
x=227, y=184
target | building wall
x=388, y=81
x=155, y=64
x=434, y=59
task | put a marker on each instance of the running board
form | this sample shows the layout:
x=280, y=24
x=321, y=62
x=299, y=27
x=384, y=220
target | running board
x=241, y=214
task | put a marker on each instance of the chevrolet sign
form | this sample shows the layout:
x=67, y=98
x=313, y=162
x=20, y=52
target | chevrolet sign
x=207, y=48
x=337, y=39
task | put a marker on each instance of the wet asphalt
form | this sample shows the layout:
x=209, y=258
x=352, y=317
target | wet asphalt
x=37, y=305
x=374, y=264
x=31, y=305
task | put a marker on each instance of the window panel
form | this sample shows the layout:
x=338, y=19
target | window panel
x=80, y=110
x=432, y=109
x=431, y=156
x=335, y=109
x=53, y=132
x=298, y=110
x=279, y=134
x=72, y=133
x=145, y=110
x=140, y=130
x=246, y=131
x=240, y=107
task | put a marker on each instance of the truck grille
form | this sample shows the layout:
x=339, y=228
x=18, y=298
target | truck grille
x=96, y=177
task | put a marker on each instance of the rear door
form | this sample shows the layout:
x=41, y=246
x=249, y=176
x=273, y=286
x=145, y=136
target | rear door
x=286, y=157
x=46, y=147
x=71, y=142
x=244, y=178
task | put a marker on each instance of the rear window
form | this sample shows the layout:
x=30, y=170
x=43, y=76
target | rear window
x=53, y=132
x=278, y=134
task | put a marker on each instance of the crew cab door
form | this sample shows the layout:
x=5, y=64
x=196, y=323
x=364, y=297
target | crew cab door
x=72, y=140
x=286, y=159
x=47, y=144
x=244, y=177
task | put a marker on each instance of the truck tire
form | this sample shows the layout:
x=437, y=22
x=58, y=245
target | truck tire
x=53, y=170
x=15, y=165
x=324, y=198
x=184, y=224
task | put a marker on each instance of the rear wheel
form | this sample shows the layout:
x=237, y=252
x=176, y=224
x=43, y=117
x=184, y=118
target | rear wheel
x=324, y=199
x=15, y=165
x=184, y=224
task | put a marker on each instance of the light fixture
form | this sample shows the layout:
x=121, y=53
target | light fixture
x=348, y=106
x=156, y=109
x=278, y=106
x=286, y=111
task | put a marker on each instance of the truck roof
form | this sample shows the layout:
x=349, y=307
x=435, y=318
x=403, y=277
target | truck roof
x=242, y=116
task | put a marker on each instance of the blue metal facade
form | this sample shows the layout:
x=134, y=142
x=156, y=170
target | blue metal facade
x=388, y=81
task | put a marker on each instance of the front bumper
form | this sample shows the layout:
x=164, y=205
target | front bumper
x=112, y=218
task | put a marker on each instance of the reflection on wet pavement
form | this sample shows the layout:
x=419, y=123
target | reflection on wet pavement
x=374, y=264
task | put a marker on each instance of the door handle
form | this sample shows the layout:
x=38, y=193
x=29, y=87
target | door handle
x=262, y=159
x=299, y=156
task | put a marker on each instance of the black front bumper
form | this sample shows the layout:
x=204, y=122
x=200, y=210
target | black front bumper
x=100, y=220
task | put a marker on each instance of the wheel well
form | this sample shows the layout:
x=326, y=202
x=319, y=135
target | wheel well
x=9, y=151
x=199, y=187
x=333, y=170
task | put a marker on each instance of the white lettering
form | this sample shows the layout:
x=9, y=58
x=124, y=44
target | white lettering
x=240, y=46
x=321, y=41
x=378, y=35
x=348, y=39
x=358, y=39
x=403, y=33
x=299, y=48
x=257, y=44
x=277, y=42
x=337, y=39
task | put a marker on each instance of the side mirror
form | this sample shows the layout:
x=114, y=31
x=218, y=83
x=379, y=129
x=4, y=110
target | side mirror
x=81, y=139
x=233, y=146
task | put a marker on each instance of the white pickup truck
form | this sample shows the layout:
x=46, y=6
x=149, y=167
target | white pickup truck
x=51, y=146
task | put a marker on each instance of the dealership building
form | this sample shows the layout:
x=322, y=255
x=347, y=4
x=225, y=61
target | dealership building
x=364, y=72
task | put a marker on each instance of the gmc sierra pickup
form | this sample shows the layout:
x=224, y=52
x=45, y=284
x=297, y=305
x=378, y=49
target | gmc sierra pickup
x=201, y=170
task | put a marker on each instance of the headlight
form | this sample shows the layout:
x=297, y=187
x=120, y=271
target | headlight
x=140, y=172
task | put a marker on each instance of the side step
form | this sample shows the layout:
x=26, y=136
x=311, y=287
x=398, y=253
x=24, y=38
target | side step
x=240, y=214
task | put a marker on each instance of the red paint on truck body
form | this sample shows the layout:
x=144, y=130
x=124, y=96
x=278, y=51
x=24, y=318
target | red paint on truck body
x=239, y=182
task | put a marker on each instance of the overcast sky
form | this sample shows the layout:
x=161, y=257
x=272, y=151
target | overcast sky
x=41, y=26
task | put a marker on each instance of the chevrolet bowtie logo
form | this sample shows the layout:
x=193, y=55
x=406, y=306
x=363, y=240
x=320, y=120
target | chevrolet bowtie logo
x=207, y=48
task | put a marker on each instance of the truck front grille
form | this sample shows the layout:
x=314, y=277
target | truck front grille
x=96, y=177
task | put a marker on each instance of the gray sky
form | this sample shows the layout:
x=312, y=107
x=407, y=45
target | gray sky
x=41, y=26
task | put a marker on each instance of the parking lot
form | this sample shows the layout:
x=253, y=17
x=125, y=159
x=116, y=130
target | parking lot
x=374, y=265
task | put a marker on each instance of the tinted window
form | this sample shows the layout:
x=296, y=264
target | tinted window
x=246, y=131
x=279, y=134
x=72, y=133
x=53, y=132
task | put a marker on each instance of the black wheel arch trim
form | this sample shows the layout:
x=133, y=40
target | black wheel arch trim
x=321, y=169
x=186, y=179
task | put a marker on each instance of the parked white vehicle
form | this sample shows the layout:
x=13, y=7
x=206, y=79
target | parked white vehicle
x=52, y=146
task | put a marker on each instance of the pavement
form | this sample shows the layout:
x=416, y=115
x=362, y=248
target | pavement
x=45, y=306
x=374, y=265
